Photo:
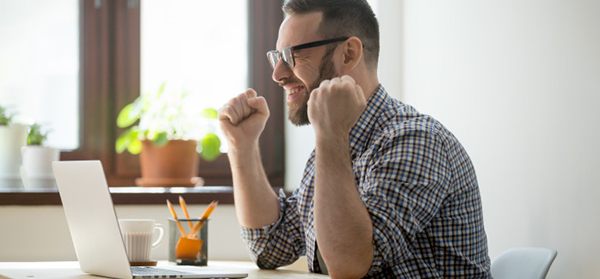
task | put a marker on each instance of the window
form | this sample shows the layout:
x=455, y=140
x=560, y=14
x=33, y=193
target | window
x=196, y=46
x=110, y=75
x=192, y=47
x=39, y=54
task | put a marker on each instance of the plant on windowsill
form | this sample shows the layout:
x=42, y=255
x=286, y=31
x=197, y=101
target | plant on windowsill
x=13, y=137
x=36, y=171
x=168, y=138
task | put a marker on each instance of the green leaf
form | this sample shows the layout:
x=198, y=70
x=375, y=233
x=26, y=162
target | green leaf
x=5, y=116
x=126, y=139
x=135, y=147
x=137, y=107
x=36, y=136
x=209, y=113
x=125, y=118
x=211, y=145
x=161, y=139
x=122, y=142
x=161, y=89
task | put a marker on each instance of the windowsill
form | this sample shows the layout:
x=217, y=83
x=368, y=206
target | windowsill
x=126, y=195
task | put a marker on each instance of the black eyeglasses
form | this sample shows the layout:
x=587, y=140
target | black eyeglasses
x=287, y=53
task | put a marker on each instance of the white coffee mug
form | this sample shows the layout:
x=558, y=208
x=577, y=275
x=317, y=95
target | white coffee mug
x=138, y=234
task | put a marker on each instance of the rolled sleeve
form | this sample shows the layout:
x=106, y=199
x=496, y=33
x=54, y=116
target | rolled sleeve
x=276, y=245
x=388, y=234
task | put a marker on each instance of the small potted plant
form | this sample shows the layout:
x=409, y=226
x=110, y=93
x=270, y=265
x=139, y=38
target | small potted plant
x=168, y=137
x=13, y=136
x=36, y=171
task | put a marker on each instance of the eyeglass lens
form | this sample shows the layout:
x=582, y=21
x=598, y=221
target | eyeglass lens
x=286, y=53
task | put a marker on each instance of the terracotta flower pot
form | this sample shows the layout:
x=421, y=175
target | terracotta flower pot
x=174, y=164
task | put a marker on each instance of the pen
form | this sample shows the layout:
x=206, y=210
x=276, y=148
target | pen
x=185, y=211
x=175, y=216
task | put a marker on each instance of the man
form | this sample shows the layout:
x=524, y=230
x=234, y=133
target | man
x=387, y=193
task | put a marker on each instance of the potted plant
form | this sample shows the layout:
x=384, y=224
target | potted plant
x=13, y=136
x=168, y=136
x=36, y=171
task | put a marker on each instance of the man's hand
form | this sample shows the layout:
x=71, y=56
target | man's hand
x=243, y=119
x=335, y=106
x=343, y=226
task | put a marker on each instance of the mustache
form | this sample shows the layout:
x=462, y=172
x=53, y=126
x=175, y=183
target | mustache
x=288, y=81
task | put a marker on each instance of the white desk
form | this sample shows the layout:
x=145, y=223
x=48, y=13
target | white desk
x=65, y=270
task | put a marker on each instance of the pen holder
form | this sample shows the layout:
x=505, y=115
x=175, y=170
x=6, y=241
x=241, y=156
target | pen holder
x=188, y=249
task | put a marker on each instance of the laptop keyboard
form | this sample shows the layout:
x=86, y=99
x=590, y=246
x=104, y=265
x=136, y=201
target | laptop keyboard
x=154, y=272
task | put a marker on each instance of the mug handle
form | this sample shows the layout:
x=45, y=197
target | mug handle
x=161, y=235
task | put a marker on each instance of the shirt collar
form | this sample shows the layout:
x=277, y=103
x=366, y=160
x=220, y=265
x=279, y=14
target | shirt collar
x=362, y=130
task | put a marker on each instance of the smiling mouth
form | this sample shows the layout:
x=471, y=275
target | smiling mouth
x=294, y=90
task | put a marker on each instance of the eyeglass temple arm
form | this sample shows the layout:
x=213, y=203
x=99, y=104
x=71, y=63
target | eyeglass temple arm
x=319, y=43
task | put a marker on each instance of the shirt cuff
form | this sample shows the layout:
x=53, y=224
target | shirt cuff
x=250, y=235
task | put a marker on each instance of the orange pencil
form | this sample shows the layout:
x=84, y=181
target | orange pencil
x=185, y=211
x=209, y=209
x=205, y=215
x=175, y=216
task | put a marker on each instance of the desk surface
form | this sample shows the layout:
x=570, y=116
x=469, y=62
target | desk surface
x=52, y=270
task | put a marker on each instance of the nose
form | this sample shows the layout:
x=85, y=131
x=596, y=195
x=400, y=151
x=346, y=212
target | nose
x=281, y=71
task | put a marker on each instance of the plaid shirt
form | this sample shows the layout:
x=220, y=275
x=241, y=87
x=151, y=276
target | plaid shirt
x=419, y=187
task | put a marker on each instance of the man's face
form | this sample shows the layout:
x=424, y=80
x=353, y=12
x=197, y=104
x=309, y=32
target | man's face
x=312, y=65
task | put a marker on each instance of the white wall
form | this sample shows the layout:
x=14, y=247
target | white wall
x=518, y=82
x=40, y=233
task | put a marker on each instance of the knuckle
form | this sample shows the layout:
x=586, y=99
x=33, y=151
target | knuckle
x=250, y=93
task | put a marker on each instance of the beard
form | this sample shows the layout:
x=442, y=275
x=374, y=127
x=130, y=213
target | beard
x=298, y=113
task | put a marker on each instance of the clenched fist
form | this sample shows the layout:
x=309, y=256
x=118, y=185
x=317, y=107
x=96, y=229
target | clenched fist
x=243, y=118
x=335, y=106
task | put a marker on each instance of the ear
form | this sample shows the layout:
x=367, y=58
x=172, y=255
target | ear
x=352, y=54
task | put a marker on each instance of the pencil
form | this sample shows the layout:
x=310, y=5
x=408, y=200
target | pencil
x=205, y=215
x=209, y=209
x=175, y=216
x=185, y=211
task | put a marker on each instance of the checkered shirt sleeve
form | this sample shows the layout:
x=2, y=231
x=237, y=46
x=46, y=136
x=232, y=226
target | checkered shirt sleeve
x=280, y=243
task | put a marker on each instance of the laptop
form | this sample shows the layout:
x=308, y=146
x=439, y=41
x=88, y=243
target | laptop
x=95, y=229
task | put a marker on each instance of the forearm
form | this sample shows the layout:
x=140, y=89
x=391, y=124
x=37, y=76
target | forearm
x=255, y=201
x=242, y=121
x=343, y=225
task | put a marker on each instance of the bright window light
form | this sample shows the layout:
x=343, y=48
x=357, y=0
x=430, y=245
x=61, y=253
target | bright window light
x=197, y=46
x=39, y=66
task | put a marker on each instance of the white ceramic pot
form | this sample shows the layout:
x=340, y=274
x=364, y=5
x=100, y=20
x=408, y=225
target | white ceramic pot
x=12, y=138
x=37, y=167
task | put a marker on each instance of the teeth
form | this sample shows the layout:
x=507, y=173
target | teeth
x=294, y=91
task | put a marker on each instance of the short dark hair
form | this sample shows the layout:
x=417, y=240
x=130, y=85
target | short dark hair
x=343, y=18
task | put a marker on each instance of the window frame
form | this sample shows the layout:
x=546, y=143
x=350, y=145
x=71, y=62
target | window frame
x=110, y=79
